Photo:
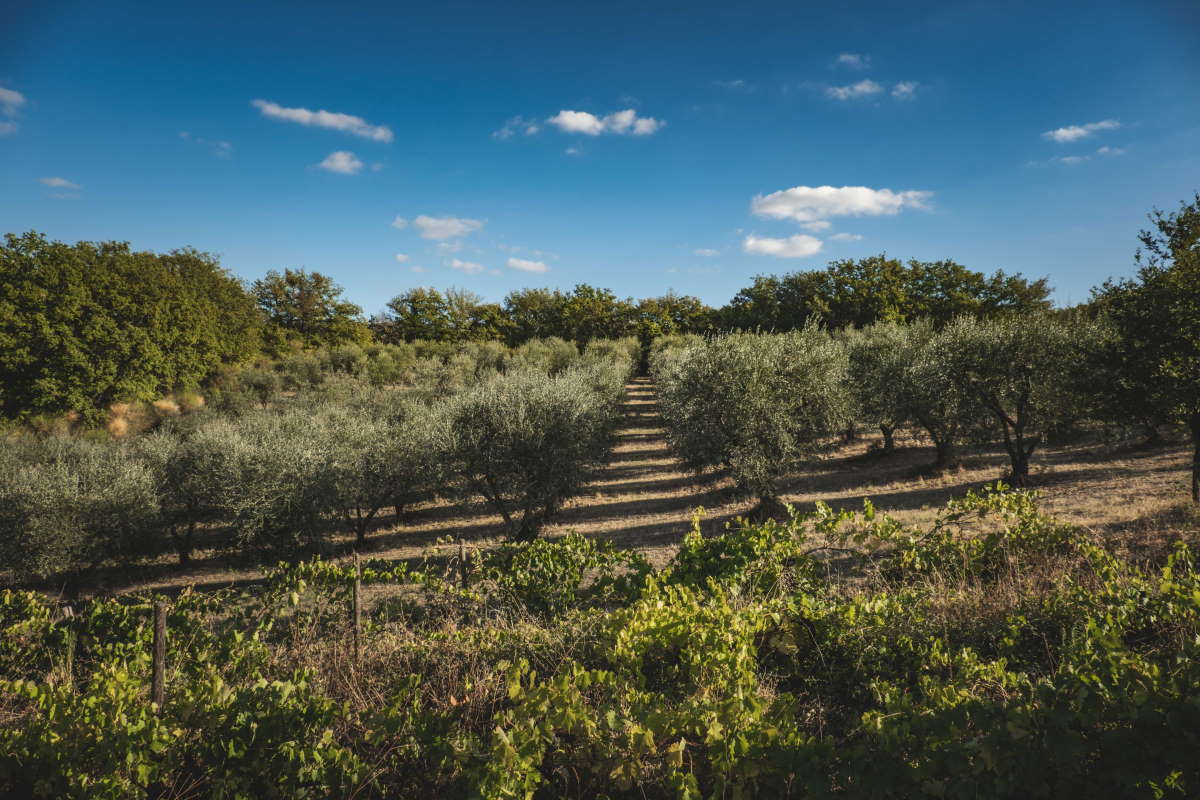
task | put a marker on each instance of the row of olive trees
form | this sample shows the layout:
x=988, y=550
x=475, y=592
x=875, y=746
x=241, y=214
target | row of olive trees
x=276, y=481
x=760, y=405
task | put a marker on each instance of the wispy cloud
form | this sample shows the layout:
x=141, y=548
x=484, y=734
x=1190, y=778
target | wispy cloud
x=846, y=237
x=342, y=162
x=864, y=88
x=707, y=252
x=574, y=151
x=797, y=246
x=905, y=90
x=1110, y=151
x=220, y=148
x=10, y=104
x=400, y=222
x=1073, y=133
x=734, y=84
x=401, y=257
x=527, y=266
x=439, y=228
x=812, y=204
x=469, y=267
x=619, y=122
x=515, y=125
x=325, y=119
x=59, y=183
x=852, y=60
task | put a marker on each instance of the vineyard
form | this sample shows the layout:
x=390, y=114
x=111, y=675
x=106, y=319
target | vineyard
x=464, y=568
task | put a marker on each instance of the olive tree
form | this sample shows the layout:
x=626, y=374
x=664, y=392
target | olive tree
x=1024, y=370
x=524, y=440
x=878, y=359
x=72, y=503
x=757, y=404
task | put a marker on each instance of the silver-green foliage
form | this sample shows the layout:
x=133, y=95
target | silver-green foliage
x=757, y=404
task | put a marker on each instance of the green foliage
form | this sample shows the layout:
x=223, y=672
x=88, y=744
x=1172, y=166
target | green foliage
x=524, y=440
x=756, y=404
x=307, y=307
x=85, y=325
x=879, y=289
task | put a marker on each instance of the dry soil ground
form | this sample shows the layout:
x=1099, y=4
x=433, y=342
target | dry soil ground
x=642, y=498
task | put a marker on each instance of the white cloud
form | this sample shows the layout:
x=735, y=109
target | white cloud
x=10, y=101
x=620, y=122
x=342, y=162
x=852, y=60
x=325, y=119
x=401, y=257
x=515, y=125
x=445, y=227
x=864, y=88
x=1073, y=133
x=527, y=266
x=469, y=267
x=573, y=151
x=809, y=204
x=734, y=84
x=905, y=90
x=1070, y=159
x=817, y=225
x=7, y=128
x=797, y=246
x=417, y=269
x=1110, y=151
x=445, y=248
x=846, y=237
x=707, y=252
x=400, y=222
x=59, y=183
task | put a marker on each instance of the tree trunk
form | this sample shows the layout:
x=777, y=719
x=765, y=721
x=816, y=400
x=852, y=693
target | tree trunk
x=947, y=453
x=850, y=434
x=183, y=544
x=1020, y=469
x=889, y=437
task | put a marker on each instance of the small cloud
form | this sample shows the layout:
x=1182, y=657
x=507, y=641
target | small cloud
x=1070, y=159
x=852, y=60
x=515, y=125
x=864, y=88
x=10, y=101
x=707, y=252
x=811, y=204
x=400, y=222
x=445, y=248
x=401, y=257
x=346, y=123
x=438, y=228
x=1073, y=133
x=417, y=269
x=527, y=266
x=7, y=128
x=905, y=90
x=672, y=269
x=342, y=162
x=1111, y=151
x=469, y=267
x=735, y=84
x=573, y=151
x=817, y=225
x=619, y=122
x=59, y=183
x=846, y=237
x=797, y=246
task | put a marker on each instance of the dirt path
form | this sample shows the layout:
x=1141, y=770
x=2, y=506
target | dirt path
x=642, y=498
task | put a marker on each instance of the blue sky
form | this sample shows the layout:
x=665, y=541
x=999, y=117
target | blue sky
x=638, y=146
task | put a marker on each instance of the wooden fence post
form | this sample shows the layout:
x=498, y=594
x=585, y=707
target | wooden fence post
x=158, y=687
x=462, y=562
x=69, y=661
x=356, y=610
